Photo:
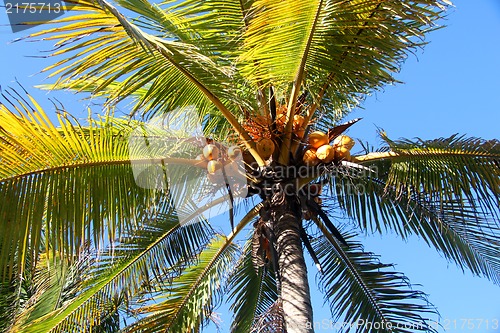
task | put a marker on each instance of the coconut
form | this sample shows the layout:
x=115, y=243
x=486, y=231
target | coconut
x=281, y=119
x=213, y=166
x=211, y=152
x=265, y=148
x=344, y=141
x=342, y=153
x=298, y=121
x=317, y=139
x=309, y=158
x=234, y=152
x=325, y=153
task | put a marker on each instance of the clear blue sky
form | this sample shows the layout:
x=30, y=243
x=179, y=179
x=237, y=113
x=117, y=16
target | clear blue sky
x=450, y=87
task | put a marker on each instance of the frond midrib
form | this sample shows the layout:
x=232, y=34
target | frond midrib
x=422, y=153
x=229, y=240
x=128, y=161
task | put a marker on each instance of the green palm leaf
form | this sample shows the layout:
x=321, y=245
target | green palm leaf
x=445, y=191
x=173, y=71
x=365, y=293
x=251, y=293
x=160, y=250
x=185, y=302
x=188, y=300
x=276, y=40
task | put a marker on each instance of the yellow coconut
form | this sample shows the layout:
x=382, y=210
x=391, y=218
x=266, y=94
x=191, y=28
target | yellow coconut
x=298, y=121
x=211, y=152
x=309, y=158
x=213, y=166
x=344, y=141
x=234, y=152
x=281, y=118
x=317, y=139
x=265, y=147
x=342, y=153
x=325, y=153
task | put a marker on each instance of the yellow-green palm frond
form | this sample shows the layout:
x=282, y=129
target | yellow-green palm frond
x=151, y=255
x=455, y=168
x=101, y=47
x=277, y=39
x=359, y=45
x=187, y=301
x=345, y=48
x=49, y=286
x=114, y=54
x=69, y=183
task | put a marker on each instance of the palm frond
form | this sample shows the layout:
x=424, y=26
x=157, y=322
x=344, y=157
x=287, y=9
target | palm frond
x=172, y=71
x=89, y=40
x=71, y=183
x=47, y=287
x=188, y=299
x=454, y=168
x=251, y=293
x=276, y=40
x=159, y=251
x=445, y=191
x=367, y=294
x=357, y=47
x=9, y=304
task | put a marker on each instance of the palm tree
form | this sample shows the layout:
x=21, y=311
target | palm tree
x=85, y=246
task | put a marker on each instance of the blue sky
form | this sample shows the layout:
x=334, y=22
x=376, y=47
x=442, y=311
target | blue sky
x=450, y=87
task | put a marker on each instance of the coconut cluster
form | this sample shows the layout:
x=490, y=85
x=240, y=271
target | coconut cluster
x=218, y=157
x=320, y=151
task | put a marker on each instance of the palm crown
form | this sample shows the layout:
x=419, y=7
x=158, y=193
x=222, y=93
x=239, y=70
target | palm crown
x=84, y=245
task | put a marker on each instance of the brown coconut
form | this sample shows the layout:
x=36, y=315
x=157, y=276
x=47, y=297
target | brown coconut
x=265, y=147
x=344, y=141
x=298, y=121
x=342, y=153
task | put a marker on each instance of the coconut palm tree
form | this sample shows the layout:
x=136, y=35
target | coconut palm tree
x=99, y=234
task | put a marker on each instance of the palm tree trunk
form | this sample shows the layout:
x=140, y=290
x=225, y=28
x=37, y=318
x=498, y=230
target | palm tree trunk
x=292, y=267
